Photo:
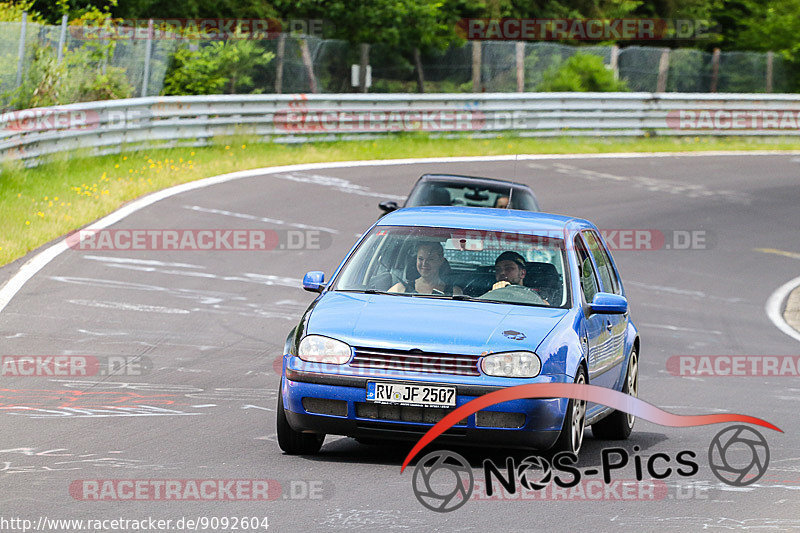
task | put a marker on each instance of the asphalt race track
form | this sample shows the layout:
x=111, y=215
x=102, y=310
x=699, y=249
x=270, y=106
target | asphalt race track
x=213, y=324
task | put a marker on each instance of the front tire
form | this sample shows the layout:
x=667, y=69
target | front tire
x=571, y=437
x=295, y=442
x=619, y=425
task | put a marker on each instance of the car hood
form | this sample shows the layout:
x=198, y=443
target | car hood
x=429, y=324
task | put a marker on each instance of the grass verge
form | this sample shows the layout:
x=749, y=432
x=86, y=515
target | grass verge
x=39, y=204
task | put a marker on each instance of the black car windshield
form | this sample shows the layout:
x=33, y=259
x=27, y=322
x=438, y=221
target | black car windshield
x=461, y=264
x=443, y=192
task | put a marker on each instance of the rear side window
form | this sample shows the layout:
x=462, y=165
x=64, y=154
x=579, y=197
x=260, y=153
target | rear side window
x=588, y=275
x=601, y=259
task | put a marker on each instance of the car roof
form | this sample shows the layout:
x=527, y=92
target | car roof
x=471, y=180
x=484, y=218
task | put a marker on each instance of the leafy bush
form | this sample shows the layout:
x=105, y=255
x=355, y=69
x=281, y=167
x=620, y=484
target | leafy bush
x=215, y=67
x=581, y=73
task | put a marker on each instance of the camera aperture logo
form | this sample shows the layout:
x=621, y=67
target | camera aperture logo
x=738, y=455
x=443, y=481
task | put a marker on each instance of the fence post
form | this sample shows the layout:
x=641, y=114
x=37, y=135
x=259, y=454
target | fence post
x=770, y=59
x=715, y=70
x=476, y=66
x=420, y=72
x=614, y=61
x=363, y=64
x=62, y=39
x=147, y=51
x=520, y=66
x=21, y=58
x=663, y=69
x=304, y=51
x=279, y=66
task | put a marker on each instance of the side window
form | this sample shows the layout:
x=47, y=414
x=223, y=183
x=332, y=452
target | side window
x=607, y=274
x=588, y=275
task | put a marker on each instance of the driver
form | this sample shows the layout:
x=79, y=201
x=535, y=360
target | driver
x=509, y=269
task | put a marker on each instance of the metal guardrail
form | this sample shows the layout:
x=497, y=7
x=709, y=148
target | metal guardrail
x=126, y=125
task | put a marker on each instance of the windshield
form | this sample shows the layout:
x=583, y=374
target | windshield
x=460, y=264
x=435, y=192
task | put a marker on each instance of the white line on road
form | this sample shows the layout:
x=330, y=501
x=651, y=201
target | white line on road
x=128, y=260
x=676, y=328
x=260, y=219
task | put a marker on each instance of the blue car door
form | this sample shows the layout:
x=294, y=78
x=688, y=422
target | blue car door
x=615, y=324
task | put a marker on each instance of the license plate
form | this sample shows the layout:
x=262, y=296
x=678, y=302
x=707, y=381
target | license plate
x=410, y=394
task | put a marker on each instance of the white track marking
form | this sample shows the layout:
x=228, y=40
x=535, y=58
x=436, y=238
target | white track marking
x=656, y=185
x=676, y=328
x=259, y=219
x=40, y=260
x=122, y=306
x=340, y=184
x=774, y=307
x=128, y=260
x=700, y=295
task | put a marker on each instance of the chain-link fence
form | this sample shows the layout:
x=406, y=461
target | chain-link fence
x=34, y=73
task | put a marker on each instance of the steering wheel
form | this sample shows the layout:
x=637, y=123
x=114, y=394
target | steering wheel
x=515, y=294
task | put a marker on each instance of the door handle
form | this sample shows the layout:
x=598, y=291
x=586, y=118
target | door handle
x=609, y=325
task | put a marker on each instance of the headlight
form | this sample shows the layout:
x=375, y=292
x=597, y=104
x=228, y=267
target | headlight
x=319, y=349
x=512, y=365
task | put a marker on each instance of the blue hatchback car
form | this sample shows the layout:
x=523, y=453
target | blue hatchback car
x=435, y=306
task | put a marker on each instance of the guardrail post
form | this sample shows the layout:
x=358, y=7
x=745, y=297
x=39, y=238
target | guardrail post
x=476, y=66
x=770, y=59
x=21, y=55
x=279, y=67
x=663, y=70
x=147, y=51
x=520, y=56
x=715, y=70
x=62, y=39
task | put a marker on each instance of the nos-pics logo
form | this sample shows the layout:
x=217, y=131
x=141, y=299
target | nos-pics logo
x=443, y=481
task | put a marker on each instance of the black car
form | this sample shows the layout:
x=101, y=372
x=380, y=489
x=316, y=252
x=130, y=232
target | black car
x=448, y=189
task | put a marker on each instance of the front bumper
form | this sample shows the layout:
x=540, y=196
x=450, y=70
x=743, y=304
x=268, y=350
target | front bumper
x=540, y=420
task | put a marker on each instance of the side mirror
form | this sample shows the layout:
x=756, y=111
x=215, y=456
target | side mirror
x=388, y=206
x=609, y=304
x=314, y=281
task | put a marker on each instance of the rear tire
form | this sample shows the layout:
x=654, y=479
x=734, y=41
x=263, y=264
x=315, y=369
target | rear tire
x=295, y=442
x=571, y=437
x=619, y=425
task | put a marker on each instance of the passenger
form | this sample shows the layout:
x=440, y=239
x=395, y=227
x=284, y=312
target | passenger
x=509, y=269
x=501, y=202
x=430, y=260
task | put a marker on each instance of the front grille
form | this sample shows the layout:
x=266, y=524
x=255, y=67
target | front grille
x=402, y=413
x=408, y=361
